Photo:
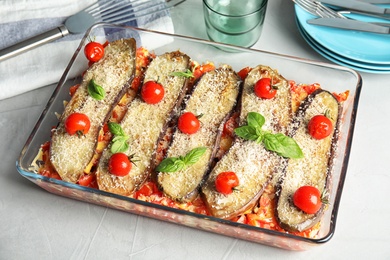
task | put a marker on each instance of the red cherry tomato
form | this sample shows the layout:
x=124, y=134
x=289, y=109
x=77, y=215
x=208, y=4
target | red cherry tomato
x=94, y=51
x=307, y=199
x=264, y=89
x=77, y=123
x=188, y=123
x=119, y=164
x=152, y=92
x=320, y=127
x=226, y=182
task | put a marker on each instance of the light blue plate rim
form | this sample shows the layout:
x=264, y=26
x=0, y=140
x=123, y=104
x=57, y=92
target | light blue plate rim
x=335, y=58
x=359, y=46
x=341, y=58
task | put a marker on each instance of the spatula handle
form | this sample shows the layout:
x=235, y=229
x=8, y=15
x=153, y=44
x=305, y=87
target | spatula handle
x=33, y=42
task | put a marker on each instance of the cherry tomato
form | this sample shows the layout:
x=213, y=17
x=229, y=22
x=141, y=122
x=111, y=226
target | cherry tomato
x=188, y=123
x=94, y=51
x=77, y=123
x=152, y=92
x=320, y=127
x=119, y=164
x=307, y=199
x=226, y=182
x=264, y=89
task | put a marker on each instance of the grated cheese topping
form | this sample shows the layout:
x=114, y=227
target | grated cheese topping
x=313, y=168
x=71, y=154
x=214, y=97
x=143, y=123
x=253, y=166
x=277, y=111
x=250, y=161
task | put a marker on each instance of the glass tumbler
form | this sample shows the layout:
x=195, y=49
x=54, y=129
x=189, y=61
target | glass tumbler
x=237, y=22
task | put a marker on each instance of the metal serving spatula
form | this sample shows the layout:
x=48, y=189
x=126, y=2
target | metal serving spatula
x=110, y=11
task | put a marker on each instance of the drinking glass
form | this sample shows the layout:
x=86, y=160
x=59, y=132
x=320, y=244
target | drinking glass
x=237, y=22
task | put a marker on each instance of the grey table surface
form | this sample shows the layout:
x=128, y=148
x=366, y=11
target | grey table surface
x=35, y=224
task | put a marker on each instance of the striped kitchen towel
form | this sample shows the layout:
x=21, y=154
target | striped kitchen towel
x=22, y=19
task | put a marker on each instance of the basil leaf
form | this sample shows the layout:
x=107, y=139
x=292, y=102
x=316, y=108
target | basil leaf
x=255, y=120
x=174, y=164
x=283, y=145
x=122, y=139
x=117, y=139
x=186, y=74
x=171, y=164
x=119, y=146
x=96, y=91
x=260, y=135
x=247, y=132
x=119, y=142
x=194, y=155
x=116, y=129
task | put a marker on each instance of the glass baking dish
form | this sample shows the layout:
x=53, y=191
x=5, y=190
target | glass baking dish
x=331, y=77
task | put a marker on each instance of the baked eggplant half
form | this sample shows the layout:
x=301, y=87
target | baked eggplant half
x=312, y=170
x=213, y=98
x=102, y=86
x=144, y=122
x=249, y=160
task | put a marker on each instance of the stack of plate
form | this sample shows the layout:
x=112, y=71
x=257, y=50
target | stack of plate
x=362, y=51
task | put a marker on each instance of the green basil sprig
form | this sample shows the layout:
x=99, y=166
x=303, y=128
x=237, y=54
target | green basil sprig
x=281, y=144
x=119, y=143
x=174, y=164
x=186, y=74
x=96, y=91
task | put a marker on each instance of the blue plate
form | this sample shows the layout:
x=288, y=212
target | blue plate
x=359, y=46
x=363, y=67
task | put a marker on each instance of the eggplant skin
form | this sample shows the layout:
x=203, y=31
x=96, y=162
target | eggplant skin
x=70, y=155
x=314, y=169
x=214, y=97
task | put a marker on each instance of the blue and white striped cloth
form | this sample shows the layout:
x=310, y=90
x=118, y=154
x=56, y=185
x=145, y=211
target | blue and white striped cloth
x=21, y=19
